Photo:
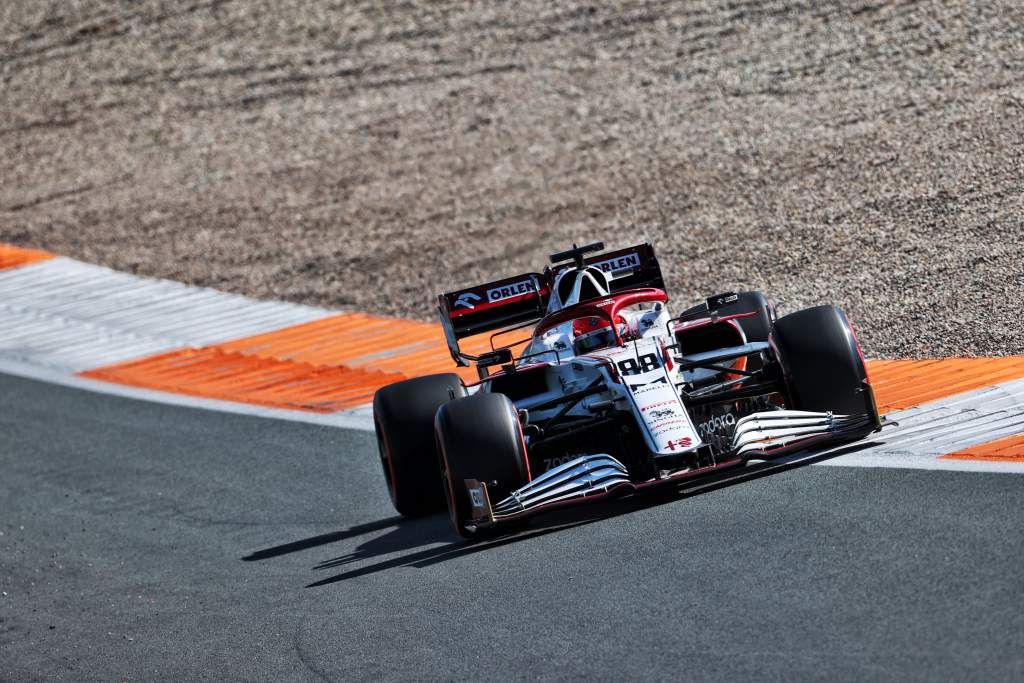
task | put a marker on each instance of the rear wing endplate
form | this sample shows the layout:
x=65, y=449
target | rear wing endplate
x=491, y=306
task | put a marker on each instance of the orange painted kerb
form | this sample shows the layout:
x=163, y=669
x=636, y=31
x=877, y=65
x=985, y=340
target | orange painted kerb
x=12, y=257
x=900, y=384
x=339, y=362
x=323, y=366
x=215, y=373
x=1010, y=449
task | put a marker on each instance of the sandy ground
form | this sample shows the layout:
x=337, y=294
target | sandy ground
x=865, y=152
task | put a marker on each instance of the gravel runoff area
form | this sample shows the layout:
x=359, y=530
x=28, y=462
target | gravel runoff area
x=365, y=154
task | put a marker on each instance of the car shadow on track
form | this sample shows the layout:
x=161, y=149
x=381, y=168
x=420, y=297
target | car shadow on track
x=322, y=539
x=412, y=534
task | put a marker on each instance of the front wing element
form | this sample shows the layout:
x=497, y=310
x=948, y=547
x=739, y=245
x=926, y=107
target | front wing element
x=765, y=433
x=587, y=475
x=759, y=435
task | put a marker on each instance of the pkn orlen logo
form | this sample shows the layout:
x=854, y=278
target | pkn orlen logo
x=616, y=265
x=466, y=300
x=510, y=291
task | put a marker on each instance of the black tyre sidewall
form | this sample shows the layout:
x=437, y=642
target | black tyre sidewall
x=822, y=362
x=479, y=437
x=403, y=416
x=757, y=327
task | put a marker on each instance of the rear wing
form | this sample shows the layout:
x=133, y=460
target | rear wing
x=522, y=299
x=629, y=268
x=492, y=306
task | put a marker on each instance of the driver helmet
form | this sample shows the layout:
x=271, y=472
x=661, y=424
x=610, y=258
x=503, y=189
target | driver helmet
x=595, y=332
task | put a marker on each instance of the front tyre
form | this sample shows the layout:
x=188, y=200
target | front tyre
x=822, y=362
x=479, y=437
x=403, y=418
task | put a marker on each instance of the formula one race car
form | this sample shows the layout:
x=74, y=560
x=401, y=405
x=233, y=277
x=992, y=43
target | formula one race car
x=610, y=394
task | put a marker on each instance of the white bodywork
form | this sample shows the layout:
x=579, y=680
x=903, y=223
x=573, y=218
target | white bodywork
x=655, y=400
x=642, y=378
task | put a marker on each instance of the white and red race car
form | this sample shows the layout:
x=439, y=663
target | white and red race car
x=608, y=393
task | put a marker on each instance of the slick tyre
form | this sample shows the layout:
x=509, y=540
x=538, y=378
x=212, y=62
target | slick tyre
x=822, y=362
x=403, y=418
x=756, y=327
x=479, y=437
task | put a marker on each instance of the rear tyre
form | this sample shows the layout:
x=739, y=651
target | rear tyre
x=823, y=363
x=479, y=437
x=403, y=417
x=756, y=327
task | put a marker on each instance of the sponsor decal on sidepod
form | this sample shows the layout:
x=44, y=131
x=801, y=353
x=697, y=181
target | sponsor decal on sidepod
x=715, y=423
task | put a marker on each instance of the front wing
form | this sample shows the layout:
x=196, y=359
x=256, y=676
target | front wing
x=759, y=435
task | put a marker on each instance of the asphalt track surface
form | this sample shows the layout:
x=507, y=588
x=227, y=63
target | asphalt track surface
x=145, y=541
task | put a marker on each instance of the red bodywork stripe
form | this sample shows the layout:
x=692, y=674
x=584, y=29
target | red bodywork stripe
x=526, y=453
x=704, y=322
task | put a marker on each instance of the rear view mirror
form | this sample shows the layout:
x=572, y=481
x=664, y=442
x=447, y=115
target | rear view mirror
x=496, y=357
